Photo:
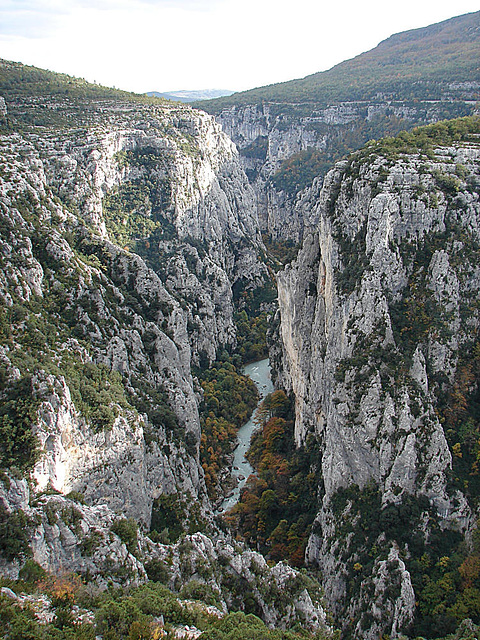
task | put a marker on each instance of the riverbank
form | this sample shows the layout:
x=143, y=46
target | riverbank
x=259, y=372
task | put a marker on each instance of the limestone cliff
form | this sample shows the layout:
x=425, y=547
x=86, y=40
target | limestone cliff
x=378, y=321
x=122, y=239
x=276, y=141
x=292, y=131
x=67, y=535
x=127, y=228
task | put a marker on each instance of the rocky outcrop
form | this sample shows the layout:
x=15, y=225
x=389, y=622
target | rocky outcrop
x=376, y=315
x=241, y=578
x=67, y=535
x=270, y=133
x=112, y=464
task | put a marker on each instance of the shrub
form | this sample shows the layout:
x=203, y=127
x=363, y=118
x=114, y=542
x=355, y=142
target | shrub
x=71, y=516
x=18, y=412
x=127, y=530
x=157, y=570
x=115, y=617
x=76, y=496
x=156, y=599
x=90, y=543
x=32, y=572
x=196, y=590
x=14, y=534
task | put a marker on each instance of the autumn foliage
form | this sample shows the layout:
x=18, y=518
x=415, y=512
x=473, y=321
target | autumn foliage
x=279, y=502
x=228, y=402
x=461, y=418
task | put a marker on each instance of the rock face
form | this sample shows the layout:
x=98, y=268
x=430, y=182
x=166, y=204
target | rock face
x=102, y=340
x=268, y=134
x=66, y=535
x=241, y=578
x=377, y=316
x=123, y=242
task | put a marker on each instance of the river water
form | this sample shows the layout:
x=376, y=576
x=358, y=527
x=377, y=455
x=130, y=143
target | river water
x=259, y=372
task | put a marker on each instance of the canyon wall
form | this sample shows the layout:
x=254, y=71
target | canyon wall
x=122, y=240
x=379, y=324
x=272, y=134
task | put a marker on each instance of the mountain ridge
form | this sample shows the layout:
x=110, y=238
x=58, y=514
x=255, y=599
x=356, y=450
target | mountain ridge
x=351, y=79
x=292, y=132
x=190, y=96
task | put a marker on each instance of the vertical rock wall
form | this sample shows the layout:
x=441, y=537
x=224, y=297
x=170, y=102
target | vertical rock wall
x=376, y=313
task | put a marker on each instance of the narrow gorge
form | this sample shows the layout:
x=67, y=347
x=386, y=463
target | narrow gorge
x=146, y=262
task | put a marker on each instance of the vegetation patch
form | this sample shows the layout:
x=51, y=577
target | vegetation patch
x=423, y=140
x=257, y=149
x=281, y=252
x=19, y=447
x=278, y=505
x=135, y=214
x=173, y=515
x=299, y=170
x=127, y=530
x=460, y=410
x=15, y=529
x=444, y=573
x=252, y=335
x=252, y=319
x=229, y=399
x=98, y=393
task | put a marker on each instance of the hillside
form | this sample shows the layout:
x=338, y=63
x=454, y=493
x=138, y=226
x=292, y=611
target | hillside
x=418, y=64
x=290, y=133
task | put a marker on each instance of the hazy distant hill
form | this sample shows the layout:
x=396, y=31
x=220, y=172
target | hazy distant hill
x=413, y=64
x=191, y=96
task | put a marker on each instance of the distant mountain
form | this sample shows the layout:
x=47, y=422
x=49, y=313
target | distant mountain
x=411, y=64
x=191, y=96
x=290, y=133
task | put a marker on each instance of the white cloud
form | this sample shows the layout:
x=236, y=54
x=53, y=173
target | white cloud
x=30, y=19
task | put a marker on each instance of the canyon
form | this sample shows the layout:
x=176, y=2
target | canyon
x=142, y=247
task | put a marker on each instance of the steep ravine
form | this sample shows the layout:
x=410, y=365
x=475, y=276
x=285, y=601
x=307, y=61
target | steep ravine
x=279, y=143
x=127, y=228
x=379, y=316
x=259, y=372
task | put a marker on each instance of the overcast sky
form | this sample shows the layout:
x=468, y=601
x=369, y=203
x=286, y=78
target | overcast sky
x=165, y=45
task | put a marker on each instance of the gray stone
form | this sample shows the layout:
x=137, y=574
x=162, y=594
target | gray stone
x=341, y=352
